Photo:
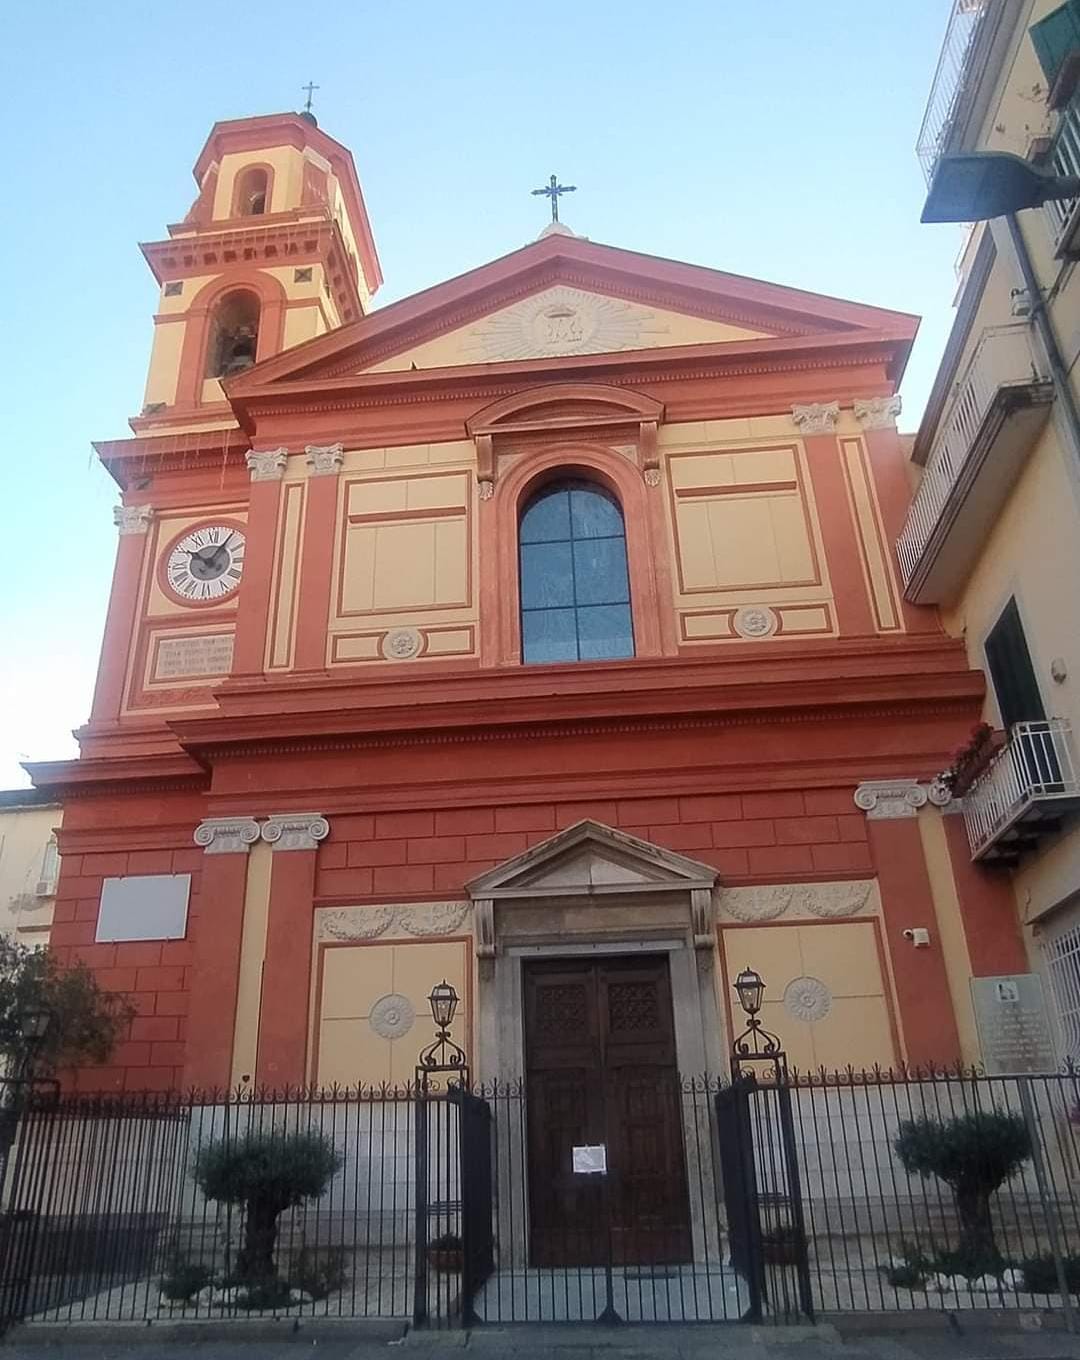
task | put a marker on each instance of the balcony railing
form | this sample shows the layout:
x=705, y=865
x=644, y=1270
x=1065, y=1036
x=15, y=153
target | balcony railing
x=1065, y=160
x=1002, y=359
x=948, y=78
x=1023, y=792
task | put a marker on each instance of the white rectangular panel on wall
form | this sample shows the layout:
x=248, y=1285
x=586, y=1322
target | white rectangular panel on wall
x=143, y=907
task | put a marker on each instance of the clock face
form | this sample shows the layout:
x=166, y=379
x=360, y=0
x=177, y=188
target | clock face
x=206, y=565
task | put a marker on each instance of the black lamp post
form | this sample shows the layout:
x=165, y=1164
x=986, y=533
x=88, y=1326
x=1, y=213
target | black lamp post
x=980, y=185
x=34, y=1024
x=755, y=1042
x=442, y=1054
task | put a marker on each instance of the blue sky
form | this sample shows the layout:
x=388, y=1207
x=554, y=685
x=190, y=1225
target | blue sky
x=774, y=140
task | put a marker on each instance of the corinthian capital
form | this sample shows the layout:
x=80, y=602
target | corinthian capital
x=132, y=519
x=324, y=460
x=819, y=417
x=877, y=413
x=267, y=465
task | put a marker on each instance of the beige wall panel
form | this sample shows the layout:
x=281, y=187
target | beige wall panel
x=357, y=649
x=449, y=641
x=849, y=959
x=24, y=835
x=844, y=957
x=765, y=465
x=358, y=586
x=165, y=362
x=856, y=1031
x=794, y=559
x=355, y=978
x=301, y=323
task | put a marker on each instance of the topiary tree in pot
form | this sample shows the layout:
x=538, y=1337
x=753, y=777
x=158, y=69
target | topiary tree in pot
x=266, y=1173
x=974, y=1154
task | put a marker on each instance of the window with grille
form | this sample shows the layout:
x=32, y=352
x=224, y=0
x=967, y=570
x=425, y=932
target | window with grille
x=1061, y=950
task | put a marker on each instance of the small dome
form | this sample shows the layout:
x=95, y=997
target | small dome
x=556, y=229
x=308, y=117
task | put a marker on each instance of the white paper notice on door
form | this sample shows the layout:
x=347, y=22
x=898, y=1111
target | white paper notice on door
x=590, y=1160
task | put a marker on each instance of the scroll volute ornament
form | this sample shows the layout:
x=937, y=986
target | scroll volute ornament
x=564, y=410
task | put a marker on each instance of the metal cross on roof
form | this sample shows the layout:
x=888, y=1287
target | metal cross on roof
x=310, y=88
x=552, y=190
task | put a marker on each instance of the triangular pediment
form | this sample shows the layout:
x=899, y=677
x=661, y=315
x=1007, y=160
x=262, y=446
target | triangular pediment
x=565, y=297
x=590, y=859
x=561, y=321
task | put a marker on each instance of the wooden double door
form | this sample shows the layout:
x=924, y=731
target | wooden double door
x=601, y=1069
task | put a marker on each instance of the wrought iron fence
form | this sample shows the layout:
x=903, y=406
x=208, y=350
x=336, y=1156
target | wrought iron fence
x=776, y=1196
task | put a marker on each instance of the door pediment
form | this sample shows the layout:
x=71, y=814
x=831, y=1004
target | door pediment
x=589, y=859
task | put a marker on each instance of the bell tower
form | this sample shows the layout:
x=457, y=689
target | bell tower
x=275, y=250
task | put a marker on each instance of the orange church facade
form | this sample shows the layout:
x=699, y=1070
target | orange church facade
x=341, y=745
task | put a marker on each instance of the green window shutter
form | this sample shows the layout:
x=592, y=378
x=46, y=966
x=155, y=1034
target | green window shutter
x=1056, y=38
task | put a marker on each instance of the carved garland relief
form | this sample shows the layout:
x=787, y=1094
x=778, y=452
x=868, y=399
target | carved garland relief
x=826, y=901
x=368, y=923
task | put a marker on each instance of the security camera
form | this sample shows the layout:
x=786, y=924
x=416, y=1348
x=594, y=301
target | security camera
x=918, y=935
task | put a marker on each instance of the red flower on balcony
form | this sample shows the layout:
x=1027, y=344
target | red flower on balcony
x=971, y=759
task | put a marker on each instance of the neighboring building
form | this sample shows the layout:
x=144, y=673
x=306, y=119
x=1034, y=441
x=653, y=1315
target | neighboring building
x=993, y=534
x=540, y=632
x=29, y=863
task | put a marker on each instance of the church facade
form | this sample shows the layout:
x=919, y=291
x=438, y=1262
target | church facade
x=541, y=632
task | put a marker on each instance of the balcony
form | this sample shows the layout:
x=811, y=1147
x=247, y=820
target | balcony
x=1023, y=793
x=952, y=69
x=1063, y=218
x=1000, y=403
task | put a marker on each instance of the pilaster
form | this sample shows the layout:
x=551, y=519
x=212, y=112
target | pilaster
x=920, y=979
x=320, y=537
x=267, y=468
x=283, y=1025
x=132, y=523
x=817, y=423
x=215, y=977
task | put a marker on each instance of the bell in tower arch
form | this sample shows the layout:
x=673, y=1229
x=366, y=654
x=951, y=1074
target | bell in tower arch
x=234, y=335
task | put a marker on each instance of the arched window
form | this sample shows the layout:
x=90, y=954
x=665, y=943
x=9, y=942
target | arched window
x=575, y=590
x=251, y=193
x=234, y=335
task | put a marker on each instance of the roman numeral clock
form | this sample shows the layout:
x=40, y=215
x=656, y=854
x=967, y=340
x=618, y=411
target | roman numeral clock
x=205, y=565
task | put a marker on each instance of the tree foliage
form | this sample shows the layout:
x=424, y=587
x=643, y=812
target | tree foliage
x=974, y=1154
x=267, y=1173
x=87, y=1022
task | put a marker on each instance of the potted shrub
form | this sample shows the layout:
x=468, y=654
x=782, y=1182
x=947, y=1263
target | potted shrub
x=446, y=1253
x=782, y=1245
x=974, y=1154
x=266, y=1173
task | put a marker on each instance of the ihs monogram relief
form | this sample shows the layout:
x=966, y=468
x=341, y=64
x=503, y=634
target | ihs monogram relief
x=563, y=321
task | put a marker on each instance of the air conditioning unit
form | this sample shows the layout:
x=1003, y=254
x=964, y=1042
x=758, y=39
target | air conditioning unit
x=45, y=887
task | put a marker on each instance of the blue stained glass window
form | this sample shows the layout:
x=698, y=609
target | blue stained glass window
x=575, y=589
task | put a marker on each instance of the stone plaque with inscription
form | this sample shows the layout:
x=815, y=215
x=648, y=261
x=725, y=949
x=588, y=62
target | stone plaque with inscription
x=1014, y=1031
x=180, y=658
